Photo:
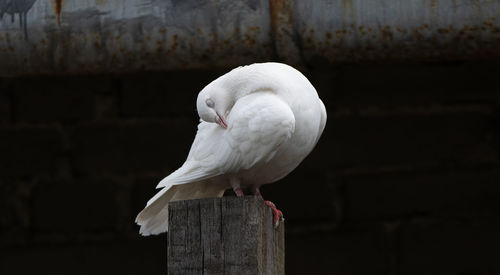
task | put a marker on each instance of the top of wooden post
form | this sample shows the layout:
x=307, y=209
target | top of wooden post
x=228, y=235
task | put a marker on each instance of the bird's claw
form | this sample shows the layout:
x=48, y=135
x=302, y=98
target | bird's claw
x=277, y=214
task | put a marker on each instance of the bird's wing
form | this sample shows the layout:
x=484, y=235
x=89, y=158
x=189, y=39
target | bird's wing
x=258, y=124
x=206, y=140
x=261, y=123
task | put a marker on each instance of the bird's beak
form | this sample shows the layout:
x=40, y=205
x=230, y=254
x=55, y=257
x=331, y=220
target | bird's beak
x=221, y=121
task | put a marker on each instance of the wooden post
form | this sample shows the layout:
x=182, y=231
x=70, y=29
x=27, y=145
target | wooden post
x=228, y=235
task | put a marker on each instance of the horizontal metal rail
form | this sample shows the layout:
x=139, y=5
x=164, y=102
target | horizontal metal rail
x=108, y=36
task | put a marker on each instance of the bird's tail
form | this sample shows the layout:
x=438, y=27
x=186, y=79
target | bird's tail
x=153, y=219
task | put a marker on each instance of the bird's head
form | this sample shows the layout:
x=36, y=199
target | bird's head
x=212, y=105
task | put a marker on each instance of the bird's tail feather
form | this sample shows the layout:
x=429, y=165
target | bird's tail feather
x=153, y=219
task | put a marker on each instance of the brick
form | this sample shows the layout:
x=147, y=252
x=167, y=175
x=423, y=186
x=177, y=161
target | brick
x=131, y=147
x=66, y=99
x=326, y=83
x=29, y=150
x=410, y=140
x=415, y=84
x=303, y=195
x=15, y=209
x=399, y=89
x=450, y=247
x=465, y=194
x=144, y=256
x=350, y=251
x=5, y=107
x=71, y=208
x=107, y=107
x=164, y=94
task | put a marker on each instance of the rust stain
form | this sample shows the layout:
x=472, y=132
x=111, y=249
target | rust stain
x=100, y=2
x=418, y=35
x=346, y=5
x=159, y=46
x=275, y=10
x=442, y=30
x=250, y=41
x=58, y=8
x=424, y=26
x=488, y=24
x=387, y=33
x=450, y=28
x=255, y=30
x=434, y=4
x=281, y=22
x=464, y=30
x=114, y=58
x=174, y=42
x=97, y=42
x=362, y=30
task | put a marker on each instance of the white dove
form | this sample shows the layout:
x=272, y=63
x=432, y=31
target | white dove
x=257, y=123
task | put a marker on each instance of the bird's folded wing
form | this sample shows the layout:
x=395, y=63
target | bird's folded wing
x=258, y=124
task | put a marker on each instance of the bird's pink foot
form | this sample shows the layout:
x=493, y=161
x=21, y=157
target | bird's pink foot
x=277, y=214
x=239, y=192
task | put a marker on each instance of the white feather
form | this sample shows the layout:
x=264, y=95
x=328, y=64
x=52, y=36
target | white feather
x=274, y=118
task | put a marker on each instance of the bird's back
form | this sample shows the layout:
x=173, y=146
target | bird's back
x=293, y=88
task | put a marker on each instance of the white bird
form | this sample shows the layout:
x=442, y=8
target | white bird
x=257, y=123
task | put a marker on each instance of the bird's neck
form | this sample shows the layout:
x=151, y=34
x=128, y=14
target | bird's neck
x=245, y=81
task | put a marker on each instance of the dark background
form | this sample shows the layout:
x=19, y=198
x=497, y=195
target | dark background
x=405, y=179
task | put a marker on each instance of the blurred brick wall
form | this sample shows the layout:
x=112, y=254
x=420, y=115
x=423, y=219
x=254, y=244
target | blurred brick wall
x=406, y=178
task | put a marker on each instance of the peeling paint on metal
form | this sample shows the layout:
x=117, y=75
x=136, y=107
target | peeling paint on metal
x=19, y=7
x=74, y=36
x=58, y=8
x=284, y=35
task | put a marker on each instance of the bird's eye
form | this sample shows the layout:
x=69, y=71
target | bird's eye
x=210, y=103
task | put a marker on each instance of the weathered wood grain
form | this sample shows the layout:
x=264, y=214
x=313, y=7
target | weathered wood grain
x=228, y=235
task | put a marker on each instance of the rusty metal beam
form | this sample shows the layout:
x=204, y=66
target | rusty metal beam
x=107, y=36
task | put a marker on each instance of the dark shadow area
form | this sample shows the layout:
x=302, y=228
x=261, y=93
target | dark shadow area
x=405, y=179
